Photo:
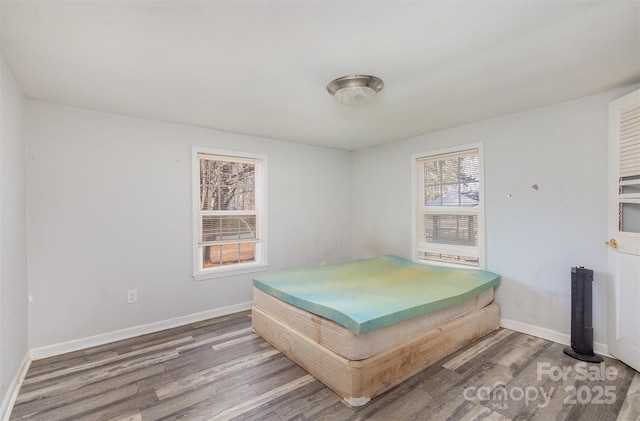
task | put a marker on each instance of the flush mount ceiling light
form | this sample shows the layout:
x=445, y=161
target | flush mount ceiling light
x=355, y=90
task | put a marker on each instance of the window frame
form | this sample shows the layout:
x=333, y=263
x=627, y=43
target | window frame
x=261, y=182
x=416, y=214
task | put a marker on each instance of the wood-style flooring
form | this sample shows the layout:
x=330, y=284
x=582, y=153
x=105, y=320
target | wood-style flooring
x=220, y=370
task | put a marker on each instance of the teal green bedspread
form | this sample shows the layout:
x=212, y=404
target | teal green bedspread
x=369, y=294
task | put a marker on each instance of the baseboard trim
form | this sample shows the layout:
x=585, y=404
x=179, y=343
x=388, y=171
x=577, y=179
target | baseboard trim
x=104, y=338
x=551, y=335
x=14, y=387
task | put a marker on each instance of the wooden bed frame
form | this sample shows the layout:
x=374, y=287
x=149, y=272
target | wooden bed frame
x=359, y=381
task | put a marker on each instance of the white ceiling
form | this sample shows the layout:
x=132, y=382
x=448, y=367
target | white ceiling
x=262, y=67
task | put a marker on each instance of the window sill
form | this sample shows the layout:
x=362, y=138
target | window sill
x=447, y=264
x=222, y=272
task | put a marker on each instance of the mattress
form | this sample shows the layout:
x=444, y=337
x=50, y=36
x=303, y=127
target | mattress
x=371, y=294
x=344, y=342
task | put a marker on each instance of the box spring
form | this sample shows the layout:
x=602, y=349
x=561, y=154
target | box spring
x=359, y=380
x=358, y=347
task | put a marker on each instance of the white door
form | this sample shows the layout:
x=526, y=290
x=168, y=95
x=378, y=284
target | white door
x=624, y=230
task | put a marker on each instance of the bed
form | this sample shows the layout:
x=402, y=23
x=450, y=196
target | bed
x=363, y=327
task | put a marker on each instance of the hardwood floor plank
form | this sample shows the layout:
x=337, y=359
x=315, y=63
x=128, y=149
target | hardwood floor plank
x=480, y=346
x=61, y=364
x=399, y=404
x=591, y=401
x=495, y=354
x=198, y=359
x=523, y=395
x=111, y=360
x=224, y=398
x=124, y=406
x=72, y=396
x=437, y=380
x=337, y=411
x=521, y=351
x=218, y=322
x=213, y=373
x=274, y=405
x=214, y=339
x=164, y=409
x=631, y=406
x=264, y=398
x=133, y=416
x=233, y=342
x=461, y=397
x=219, y=369
x=271, y=416
x=555, y=408
x=75, y=411
x=76, y=382
x=481, y=412
x=266, y=381
x=250, y=375
x=317, y=399
x=164, y=378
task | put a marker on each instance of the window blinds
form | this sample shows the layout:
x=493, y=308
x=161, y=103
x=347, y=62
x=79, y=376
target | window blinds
x=630, y=142
x=448, y=207
x=629, y=169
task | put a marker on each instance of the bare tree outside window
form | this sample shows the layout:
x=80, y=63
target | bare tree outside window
x=228, y=218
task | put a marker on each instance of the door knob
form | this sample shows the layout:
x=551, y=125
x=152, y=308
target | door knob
x=612, y=243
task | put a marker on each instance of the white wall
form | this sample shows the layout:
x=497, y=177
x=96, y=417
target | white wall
x=534, y=237
x=13, y=264
x=109, y=209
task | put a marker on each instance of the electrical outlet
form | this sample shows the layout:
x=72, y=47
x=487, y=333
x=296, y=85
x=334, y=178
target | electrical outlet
x=132, y=296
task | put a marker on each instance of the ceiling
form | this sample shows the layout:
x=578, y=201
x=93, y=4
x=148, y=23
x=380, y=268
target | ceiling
x=261, y=67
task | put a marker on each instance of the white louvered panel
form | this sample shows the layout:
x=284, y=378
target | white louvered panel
x=629, y=111
x=630, y=153
x=630, y=133
x=629, y=158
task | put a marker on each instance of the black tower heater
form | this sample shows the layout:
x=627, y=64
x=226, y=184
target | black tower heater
x=581, y=324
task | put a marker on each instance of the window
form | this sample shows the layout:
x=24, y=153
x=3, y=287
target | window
x=229, y=213
x=448, y=213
